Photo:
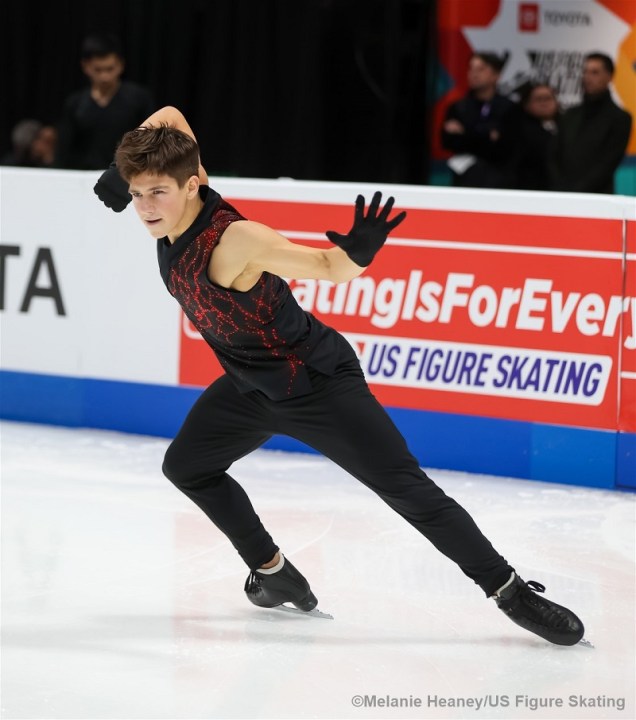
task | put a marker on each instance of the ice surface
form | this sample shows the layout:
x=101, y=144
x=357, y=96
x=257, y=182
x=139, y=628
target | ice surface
x=121, y=600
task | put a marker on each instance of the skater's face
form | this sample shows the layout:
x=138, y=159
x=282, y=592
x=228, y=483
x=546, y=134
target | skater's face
x=163, y=207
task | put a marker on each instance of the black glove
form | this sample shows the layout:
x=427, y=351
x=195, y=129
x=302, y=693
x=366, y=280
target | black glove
x=369, y=233
x=112, y=189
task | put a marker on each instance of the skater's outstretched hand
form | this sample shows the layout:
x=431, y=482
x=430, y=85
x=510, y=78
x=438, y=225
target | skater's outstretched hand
x=369, y=232
x=112, y=189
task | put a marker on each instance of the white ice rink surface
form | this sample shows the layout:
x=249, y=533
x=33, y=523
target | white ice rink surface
x=121, y=600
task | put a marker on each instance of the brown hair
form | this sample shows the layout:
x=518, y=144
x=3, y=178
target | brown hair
x=159, y=150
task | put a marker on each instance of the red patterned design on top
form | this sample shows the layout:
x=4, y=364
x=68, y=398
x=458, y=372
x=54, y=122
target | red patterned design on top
x=238, y=325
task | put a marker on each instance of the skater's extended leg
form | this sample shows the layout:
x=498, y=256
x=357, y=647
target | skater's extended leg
x=348, y=425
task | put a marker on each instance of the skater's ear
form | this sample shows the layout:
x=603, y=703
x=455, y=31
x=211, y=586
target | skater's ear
x=192, y=185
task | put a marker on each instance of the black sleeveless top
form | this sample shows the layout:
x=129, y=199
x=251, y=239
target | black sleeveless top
x=263, y=339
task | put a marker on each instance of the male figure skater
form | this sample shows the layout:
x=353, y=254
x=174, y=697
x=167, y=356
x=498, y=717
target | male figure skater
x=286, y=372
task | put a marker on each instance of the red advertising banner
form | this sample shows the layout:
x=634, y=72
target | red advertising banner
x=627, y=418
x=510, y=316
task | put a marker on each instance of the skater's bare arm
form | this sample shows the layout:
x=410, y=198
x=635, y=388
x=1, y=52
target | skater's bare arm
x=248, y=249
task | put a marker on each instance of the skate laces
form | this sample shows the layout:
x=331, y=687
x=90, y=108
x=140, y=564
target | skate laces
x=253, y=582
x=549, y=612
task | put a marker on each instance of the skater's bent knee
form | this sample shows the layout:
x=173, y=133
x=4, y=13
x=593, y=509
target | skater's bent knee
x=180, y=469
x=171, y=464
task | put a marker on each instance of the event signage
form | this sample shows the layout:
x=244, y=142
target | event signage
x=504, y=315
x=543, y=41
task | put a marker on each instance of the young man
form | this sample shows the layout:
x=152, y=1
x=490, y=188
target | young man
x=593, y=136
x=286, y=372
x=95, y=118
x=480, y=129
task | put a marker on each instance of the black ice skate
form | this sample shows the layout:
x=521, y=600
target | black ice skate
x=286, y=585
x=520, y=602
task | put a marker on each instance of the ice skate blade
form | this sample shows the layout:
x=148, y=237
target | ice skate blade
x=310, y=613
x=585, y=643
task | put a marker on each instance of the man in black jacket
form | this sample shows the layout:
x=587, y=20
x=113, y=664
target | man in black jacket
x=537, y=130
x=481, y=128
x=592, y=136
x=95, y=118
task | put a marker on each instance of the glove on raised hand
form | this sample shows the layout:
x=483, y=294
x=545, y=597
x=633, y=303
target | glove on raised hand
x=112, y=189
x=369, y=233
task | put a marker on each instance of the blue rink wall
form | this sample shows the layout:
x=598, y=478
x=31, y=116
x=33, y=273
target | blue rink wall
x=552, y=453
x=90, y=338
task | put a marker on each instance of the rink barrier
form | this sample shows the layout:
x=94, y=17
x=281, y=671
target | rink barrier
x=492, y=446
x=502, y=283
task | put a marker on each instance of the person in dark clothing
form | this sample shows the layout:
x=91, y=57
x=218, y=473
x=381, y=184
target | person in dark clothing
x=480, y=129
x=32, y=145
x=286, y=372
x=592, y=137
x=537, y=130
x=94, y=119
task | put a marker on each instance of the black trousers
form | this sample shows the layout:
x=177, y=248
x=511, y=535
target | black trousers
x=343, y=421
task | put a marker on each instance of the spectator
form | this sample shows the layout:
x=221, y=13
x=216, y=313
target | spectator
x=537, y=130
x=480, y=127
x=22, y=137
x=43, y=147
x=95, y=118
x=33, y=145
x=592, y=136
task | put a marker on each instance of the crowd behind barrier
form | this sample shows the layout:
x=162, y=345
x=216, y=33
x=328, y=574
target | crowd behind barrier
x=498, y=143
x=523, y=142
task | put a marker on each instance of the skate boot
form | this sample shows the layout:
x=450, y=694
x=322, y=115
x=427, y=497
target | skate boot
x=520, y=602
x=286, y=585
